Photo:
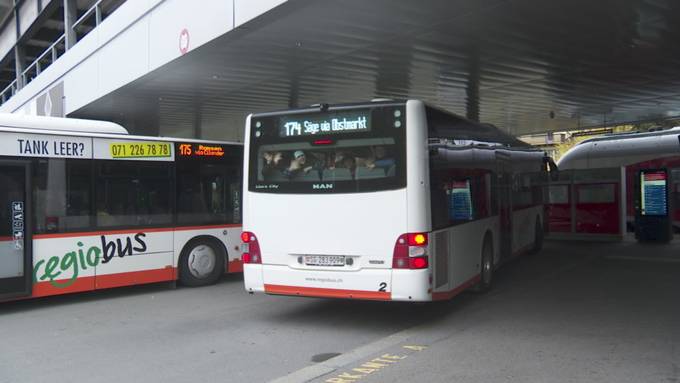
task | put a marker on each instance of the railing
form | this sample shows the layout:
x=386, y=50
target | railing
x=96, y=9
x=53, y=52
x=50, y=55
x=8, y=92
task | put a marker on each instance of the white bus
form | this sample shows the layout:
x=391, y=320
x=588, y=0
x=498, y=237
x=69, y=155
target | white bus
x=85, y=206
x=384, y=201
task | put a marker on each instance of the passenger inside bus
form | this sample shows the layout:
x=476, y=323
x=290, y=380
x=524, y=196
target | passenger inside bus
x=298, y=165
x=315, y=165
x=272, y=165
x=381, y=158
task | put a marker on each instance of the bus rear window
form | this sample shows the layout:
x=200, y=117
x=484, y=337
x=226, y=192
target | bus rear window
x=330, y=152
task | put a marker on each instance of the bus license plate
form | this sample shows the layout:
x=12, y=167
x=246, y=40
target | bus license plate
x=325, y=260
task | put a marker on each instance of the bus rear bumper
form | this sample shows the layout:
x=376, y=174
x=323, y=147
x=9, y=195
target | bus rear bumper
x=252, y=278
x=411, y=285
x=368, y=284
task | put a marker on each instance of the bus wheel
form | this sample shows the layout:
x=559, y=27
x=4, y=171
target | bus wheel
x=486, y=273
x=538, y=237
x=201, y=262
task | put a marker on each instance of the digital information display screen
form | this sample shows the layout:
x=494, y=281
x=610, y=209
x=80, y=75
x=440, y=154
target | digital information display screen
x=653, y=193
x=319, y=125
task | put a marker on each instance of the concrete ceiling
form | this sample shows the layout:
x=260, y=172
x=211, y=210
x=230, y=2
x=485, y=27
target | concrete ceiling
x=524, y=65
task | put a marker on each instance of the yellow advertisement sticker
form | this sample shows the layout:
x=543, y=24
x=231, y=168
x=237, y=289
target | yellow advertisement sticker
x=140, y=149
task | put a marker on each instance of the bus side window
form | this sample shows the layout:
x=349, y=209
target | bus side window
x=133, y=193
x=438, y=201
x=459, y=192
x=207, y=193
x=456, y=199
x=61, y=195
x=480, y=196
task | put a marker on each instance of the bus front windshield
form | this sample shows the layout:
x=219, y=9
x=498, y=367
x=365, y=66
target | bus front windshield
x=339, y=151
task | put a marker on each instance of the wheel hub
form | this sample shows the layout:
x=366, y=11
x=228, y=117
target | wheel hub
x=487, y=268
x=202, y=260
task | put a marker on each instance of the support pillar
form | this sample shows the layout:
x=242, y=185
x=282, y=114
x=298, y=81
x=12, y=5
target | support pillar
x=19, y=65
x=70, y=18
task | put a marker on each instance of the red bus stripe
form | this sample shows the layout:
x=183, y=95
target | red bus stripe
x=184, y=228
x=93, y=233
x=326, y=293
x=438, y=296
x=105, y=281
x=44, y=289
x=130, y=231
x=235, y=266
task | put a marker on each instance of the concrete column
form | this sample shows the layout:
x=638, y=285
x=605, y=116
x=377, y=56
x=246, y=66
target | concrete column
x=19, y=64
x=19, y=56
x=70, y=17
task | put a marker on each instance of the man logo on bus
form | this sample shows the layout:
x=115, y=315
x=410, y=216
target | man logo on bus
x=322, y=186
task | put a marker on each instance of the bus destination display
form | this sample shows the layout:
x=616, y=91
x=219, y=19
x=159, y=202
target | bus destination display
x=201, y=150
x=653, y=193
x=325, y=124
x=140, y=149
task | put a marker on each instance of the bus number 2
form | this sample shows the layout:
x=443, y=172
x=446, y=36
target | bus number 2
x=383, y=287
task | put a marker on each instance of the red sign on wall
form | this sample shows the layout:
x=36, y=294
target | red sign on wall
x=184, y=41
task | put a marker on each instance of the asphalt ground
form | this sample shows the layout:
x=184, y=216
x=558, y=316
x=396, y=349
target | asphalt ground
x=576, y=312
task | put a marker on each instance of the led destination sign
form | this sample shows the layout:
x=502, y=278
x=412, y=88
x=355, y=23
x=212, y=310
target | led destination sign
x=326, y=124
x=201, y=150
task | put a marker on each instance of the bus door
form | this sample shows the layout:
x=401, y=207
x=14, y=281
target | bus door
x=15, y=233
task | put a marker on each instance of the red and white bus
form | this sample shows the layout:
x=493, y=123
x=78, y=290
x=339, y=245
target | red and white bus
x=389, y=200
x=597, y=191
x=85, y=206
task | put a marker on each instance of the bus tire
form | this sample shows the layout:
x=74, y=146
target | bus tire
x=201, y=262
x=487, y=266
x=538, y=237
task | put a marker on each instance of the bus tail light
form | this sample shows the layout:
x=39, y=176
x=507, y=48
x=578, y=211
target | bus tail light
x=410, y=252
x=417, y=239
x=418, y=262
x=250, y=248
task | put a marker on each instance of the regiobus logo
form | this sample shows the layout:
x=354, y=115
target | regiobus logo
x=62, y=270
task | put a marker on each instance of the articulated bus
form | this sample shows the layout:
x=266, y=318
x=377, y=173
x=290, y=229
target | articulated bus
x=85, y=206
x=387, y=200
x=600, y=181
